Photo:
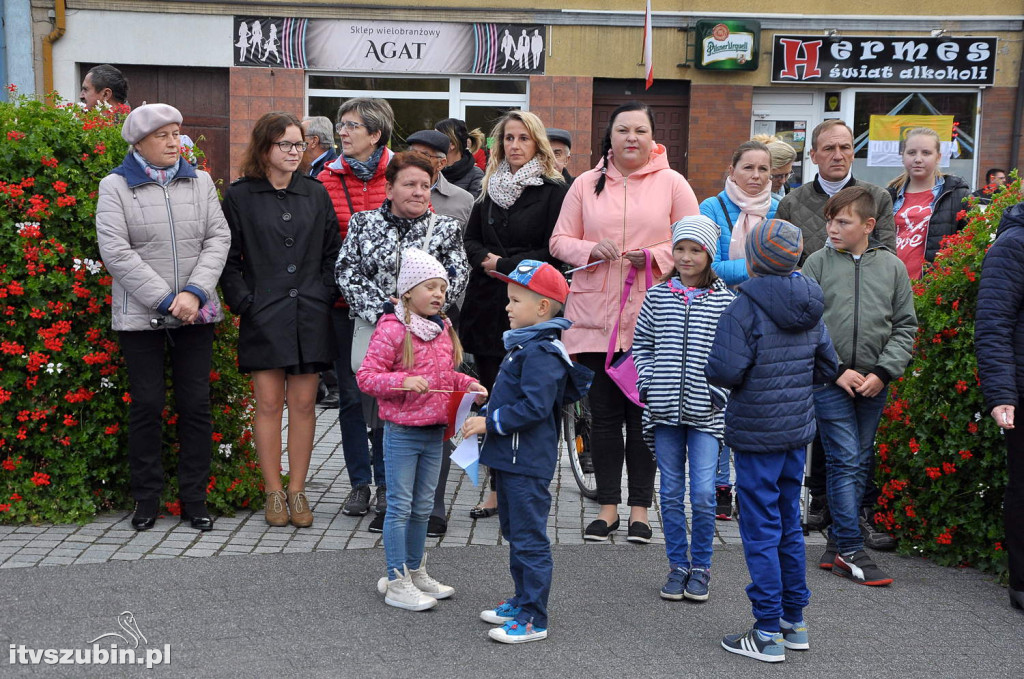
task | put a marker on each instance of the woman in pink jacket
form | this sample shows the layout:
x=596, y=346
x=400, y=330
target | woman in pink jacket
x=611, y=214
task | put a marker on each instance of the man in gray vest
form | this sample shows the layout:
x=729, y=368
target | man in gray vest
x=445, y=197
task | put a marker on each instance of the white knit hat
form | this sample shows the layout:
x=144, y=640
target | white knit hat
x=418, y=266
x=701, y=230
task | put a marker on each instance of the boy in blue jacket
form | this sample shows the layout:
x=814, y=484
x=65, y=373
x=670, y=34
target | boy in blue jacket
x=521, y=423
x=770, y=347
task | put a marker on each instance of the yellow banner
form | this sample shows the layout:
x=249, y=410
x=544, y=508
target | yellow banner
x=895, y=128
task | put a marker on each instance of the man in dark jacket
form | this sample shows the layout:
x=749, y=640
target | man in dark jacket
x=999, y=343
x=995, y=179
x=319, y=134
x=770, y=346
x=561, y=146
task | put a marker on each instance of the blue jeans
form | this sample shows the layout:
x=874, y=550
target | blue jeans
x=354, y=444
x=768, y=488
x=847, y=429
x=524, y=503
x=722, y=470
x=412, y=458
x=673, y=445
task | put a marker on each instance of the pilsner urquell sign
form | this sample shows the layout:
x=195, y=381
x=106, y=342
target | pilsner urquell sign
x=883, y=60
x=727, y=45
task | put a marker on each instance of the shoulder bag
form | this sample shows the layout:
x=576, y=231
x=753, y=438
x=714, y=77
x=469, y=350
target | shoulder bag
x=623, y=370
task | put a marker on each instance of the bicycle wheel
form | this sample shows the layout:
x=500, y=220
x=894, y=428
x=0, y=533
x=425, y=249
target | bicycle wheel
x=576, y=435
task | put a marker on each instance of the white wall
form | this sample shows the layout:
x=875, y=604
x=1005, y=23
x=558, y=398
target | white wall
x=138, y=38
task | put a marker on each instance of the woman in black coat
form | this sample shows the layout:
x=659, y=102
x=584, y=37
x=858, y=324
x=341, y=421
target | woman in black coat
x=522, y=196
x=279, y=279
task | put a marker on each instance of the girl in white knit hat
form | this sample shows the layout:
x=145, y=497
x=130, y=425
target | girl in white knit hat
x=410, y=368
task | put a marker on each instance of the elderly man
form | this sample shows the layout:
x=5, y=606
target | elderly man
x=561, y=145
x=445, y=198
x=104, y=85
x=318, y=131
x=832, y=152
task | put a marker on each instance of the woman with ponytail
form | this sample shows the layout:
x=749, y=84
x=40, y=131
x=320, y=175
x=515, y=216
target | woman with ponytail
x=461, y=169
x=610, y=216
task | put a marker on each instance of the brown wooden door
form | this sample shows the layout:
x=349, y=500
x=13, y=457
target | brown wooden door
x=201, y=94
x=670, y=103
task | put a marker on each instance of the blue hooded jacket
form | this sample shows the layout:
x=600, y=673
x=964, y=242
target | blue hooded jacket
x=771, y=345
x=536, y=379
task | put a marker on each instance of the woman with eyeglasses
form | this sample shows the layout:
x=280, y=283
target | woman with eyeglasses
x=521, y=198
x=356, y=183
x=783, y=156
x=279, y=280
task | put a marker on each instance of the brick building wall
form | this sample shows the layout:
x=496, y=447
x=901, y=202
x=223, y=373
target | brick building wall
x=719, y=122
x=566, y=102
x=255, y=91
x=997, y=107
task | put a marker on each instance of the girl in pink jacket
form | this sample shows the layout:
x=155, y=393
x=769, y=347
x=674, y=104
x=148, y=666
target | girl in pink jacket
x=611, y=213
x=410, y=369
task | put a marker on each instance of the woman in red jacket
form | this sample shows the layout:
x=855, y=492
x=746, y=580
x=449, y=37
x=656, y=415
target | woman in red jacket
x=356, y=183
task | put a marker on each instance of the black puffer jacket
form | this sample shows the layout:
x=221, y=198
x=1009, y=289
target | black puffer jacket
x=521, y=232
x=465, y=174
x=999, y=328
x=945, y=208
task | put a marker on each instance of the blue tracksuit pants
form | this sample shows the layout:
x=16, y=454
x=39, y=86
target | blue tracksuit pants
x=524, y=503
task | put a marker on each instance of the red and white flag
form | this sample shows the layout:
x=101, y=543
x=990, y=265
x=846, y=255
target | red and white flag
x=649, y=46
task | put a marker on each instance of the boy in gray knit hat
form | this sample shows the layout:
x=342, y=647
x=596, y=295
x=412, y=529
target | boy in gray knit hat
x=769, y=347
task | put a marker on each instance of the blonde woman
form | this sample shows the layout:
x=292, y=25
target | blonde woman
x=511, y=221
x=925, y=202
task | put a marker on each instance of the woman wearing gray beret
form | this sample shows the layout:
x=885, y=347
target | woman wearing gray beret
x=164, y=240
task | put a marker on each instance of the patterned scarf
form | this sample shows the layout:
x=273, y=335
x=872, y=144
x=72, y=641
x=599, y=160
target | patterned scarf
x=424, y=328
x=753, y=209
x=504, y=187
x=364, y=170
x=161, y=175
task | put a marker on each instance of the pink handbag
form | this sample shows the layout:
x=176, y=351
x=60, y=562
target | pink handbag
x=623, y=371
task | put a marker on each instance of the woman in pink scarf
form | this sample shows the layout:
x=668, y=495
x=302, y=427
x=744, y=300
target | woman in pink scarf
x=746, y=200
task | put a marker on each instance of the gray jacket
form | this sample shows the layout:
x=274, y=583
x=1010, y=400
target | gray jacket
x=156, y=242
x=451, y=201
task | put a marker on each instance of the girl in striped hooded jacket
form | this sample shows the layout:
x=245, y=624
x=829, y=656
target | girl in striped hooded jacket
x=683, y=419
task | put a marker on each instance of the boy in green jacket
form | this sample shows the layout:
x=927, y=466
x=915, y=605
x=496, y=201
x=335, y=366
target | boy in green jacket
x=869, y=312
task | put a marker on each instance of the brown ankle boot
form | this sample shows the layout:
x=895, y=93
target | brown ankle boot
x=302, y=515
x=277, y=508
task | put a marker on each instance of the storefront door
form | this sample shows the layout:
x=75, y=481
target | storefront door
x=791, y=115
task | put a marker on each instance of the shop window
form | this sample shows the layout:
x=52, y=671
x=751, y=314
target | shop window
x=963, y=106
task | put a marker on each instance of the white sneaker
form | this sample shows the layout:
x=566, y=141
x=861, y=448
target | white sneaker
x=427, y=584
x=401, y=593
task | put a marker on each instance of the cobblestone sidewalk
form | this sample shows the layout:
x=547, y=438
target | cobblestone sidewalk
x=110, y=536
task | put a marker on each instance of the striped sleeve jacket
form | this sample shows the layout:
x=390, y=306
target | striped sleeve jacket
x=670, y=348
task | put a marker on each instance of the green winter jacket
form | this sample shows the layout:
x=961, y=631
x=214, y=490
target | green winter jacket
x=869, y=308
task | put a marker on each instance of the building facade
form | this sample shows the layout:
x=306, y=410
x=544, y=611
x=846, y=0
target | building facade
x=721, y=71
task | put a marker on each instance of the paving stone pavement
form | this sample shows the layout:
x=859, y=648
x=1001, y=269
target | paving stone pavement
x=110, y=537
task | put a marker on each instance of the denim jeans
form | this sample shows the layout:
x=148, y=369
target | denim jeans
x=412, y=460
x=354, y=444
x=722, y=468
x=524, y=503
x=673, y=446
x=847, y=429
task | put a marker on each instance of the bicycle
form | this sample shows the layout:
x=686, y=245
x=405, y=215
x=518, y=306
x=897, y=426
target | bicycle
x=576, y=427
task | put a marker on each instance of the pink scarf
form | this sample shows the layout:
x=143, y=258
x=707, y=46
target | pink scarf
x=752, y=210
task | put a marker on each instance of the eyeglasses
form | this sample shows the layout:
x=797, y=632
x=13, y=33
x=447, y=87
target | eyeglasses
x=782, y=177
x=289, y=146
x=348, y=125
x=429, y=155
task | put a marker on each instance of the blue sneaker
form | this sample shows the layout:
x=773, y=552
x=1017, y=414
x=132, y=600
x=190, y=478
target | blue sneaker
x=501, y=613
x=697, y=585
x=676, y=583
x=513, y=632
x=753, y=645
x=795, y=635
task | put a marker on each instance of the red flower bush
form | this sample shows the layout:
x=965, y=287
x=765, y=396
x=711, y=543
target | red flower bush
x=942, y=462
x=63, y=385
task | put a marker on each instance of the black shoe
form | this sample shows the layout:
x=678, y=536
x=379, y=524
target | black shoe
x=380, y=500
x=145, y=514
x=331, y=400
x=198, y=515
x=1016, y=599
x=828, y=557
x=639, y=532
x=874, y=538
x=818, y=514
x=599, y=530
x=377, y=525
x=723, y=503
x=358, y=502
x=436, y=526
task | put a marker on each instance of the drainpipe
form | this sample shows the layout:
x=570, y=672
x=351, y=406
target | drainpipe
x=60, y=10
x=1015, y=136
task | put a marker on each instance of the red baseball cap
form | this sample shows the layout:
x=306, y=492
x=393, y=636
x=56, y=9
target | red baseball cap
x=539, y=277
